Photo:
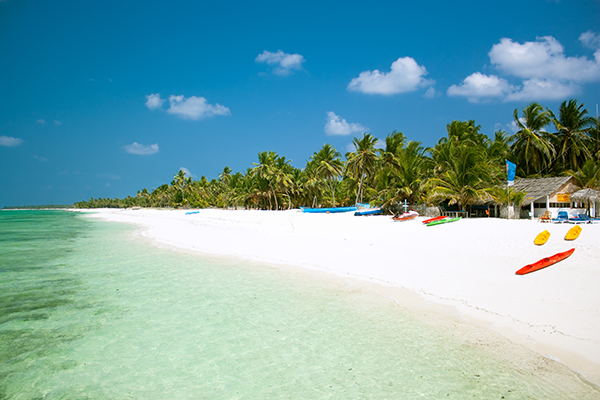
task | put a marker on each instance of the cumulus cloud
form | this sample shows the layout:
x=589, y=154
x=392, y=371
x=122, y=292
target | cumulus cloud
x=282, y=63
x=141, y=149
x=590, y=40
x=336, y=125
x=541, y=69
x=405, y=76
x=543, y=59
x=9, y=141
x=188, y=108
x=153, y=101
x=194, y=107
x=478, y=86
x=546, y=89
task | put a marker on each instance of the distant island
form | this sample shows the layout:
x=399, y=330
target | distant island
x=42, y=207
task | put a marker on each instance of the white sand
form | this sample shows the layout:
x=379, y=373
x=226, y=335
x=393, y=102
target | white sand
x=469, y=264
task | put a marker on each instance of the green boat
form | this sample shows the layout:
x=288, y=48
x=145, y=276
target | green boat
x=443, y=221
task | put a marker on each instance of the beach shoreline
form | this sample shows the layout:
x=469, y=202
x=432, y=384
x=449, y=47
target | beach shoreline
x=467, y=267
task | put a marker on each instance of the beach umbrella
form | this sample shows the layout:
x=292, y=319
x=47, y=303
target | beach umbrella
x=586, y=195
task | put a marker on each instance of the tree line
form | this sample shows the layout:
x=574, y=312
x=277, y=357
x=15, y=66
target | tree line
x=465, y=167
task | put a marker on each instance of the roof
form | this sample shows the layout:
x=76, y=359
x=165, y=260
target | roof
x=537, y=188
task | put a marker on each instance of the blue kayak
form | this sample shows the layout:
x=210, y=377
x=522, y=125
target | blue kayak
x=371, y=211
x=328, y=210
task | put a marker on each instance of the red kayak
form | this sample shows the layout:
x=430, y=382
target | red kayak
x=545, y=262
x=434, y=219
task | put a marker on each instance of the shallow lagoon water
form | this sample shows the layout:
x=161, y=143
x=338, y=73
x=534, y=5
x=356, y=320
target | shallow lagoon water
x=88, y=310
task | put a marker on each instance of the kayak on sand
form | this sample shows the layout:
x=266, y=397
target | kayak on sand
x=545, y=262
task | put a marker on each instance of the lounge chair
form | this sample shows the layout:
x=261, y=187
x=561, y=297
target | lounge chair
x=546, y=217
x=562, y=217
x=584, y=219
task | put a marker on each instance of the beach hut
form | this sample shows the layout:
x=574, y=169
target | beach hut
x=589, y=197
x=547, y=194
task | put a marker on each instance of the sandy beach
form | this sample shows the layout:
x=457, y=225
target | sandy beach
x=468, y=265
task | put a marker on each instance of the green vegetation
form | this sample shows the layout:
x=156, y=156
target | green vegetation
x=464, y=168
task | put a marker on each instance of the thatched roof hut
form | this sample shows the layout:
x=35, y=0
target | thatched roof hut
x=586, y=195
x=541, y=190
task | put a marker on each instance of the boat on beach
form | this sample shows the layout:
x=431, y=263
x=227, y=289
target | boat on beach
x=329, y=210
x=545, y=262
x=541, y=238
x=370, y=211
x=430, y=220
x=573, y=233
x=407, y=216
x=443, y=221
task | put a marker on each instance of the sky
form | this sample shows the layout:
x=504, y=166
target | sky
x=105, y=98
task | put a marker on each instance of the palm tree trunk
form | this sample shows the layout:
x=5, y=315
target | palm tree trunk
x=332, y=191
x=275, y=196
x=359, y=192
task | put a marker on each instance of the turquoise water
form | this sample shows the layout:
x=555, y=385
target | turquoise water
x=90, y=311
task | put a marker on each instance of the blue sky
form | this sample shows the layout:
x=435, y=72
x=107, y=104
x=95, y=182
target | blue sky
x=104, y=98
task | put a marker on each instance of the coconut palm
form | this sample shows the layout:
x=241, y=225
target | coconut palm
x=263, y=171
x=328, y=166
x=362, y=162
x=573, y=141
x=464, y=176
x=588, y=176
x=282, y=177
x=181, y=183
x=531, y=144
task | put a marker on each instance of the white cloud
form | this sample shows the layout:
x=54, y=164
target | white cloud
x=545, y=73
x=194, y=107
x=543, y=59
x=10, y=141
x=430, y=93
x=56, y=122
x=153, y=101
x=339, y=126
x=405, y=76
x=40, y=121
x=544, y=89
x=478, y=86
x=282, y=63
x=141, y=149
x=590, y=40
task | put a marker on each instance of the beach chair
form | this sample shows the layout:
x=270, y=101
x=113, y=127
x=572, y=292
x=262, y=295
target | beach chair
x=585, y=219
x=562, y=217
x=546, y=217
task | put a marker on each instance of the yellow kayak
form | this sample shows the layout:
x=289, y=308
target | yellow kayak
x=541, y=238
x=573, y=233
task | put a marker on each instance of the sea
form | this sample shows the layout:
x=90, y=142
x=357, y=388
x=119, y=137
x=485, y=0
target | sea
x=91, y=309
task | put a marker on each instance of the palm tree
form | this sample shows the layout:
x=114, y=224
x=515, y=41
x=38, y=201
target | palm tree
x=363, y=161
x=264, y=170
x=181, y=183
x=588, y=176
x=531, y=144
x=328, y=166
x=572, y=127
x=282, y=177
x=463, y=177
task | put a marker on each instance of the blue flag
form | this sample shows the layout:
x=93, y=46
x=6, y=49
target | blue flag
x=510, y=172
